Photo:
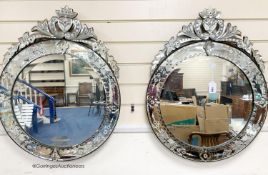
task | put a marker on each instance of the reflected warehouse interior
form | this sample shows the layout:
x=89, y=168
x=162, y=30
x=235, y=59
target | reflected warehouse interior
x=205, y=101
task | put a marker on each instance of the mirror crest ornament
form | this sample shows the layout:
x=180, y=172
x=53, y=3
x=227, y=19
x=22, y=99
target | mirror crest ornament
x=63, y=26
x=207, y=36
x=61, y=35
x=209, y=27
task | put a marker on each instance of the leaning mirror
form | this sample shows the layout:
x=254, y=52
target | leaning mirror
x=206, y=99
x=60, y=98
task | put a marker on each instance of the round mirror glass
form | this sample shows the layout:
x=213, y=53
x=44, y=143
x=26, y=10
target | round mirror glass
x=59, y=100
x=205, y=101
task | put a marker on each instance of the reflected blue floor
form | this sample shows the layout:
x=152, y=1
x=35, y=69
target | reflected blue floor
x=74, y=127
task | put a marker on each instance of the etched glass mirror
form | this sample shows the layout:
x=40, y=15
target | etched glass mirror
x=60, y=98
x=206, y=99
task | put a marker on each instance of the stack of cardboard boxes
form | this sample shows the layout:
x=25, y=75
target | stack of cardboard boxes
x=214, y=118
x=173, y=113
x=180, y=119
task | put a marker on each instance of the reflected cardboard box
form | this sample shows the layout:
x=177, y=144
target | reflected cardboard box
x=214, y=110
x=212, y=126
x=177, y=114
x=214, y=118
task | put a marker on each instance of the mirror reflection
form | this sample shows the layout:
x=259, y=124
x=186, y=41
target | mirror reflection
x=59, y=100
x=206, y=101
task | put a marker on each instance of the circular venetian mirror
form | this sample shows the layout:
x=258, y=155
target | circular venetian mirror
x=60, y=98
x=206, y=99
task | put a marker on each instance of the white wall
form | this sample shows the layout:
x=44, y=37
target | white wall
x=197, y=73
x=134, y=31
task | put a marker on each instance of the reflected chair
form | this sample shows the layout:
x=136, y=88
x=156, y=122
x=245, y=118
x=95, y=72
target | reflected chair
x=207, y=140
x=84, y=89
x=95, y=99
x=98, y=99
x=91, y=102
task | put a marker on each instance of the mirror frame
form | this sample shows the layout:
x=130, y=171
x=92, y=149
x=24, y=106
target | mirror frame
x=208, y=36
x=62, y=34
